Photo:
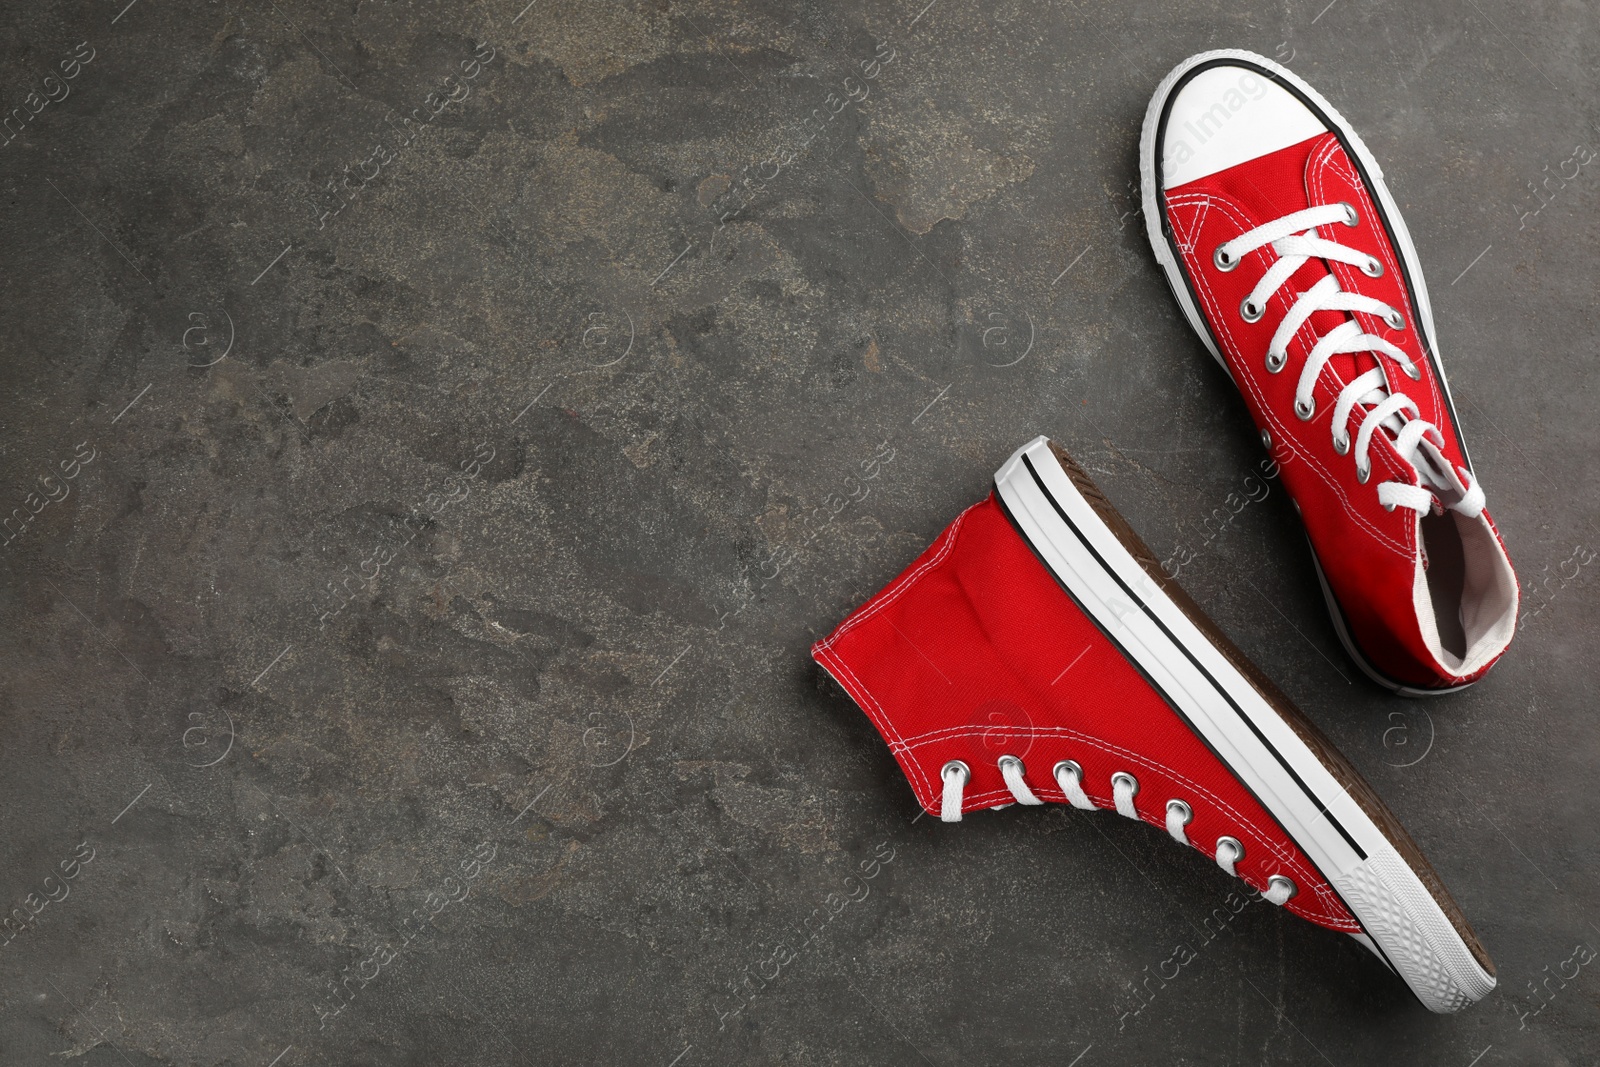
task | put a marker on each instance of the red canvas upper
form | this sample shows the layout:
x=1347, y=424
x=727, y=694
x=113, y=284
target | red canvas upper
x=976, y=651
x=1369, y=555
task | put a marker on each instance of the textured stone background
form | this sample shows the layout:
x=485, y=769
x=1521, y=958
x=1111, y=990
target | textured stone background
x=589, y=472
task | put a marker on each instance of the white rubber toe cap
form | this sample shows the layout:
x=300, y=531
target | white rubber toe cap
x=1227, y=115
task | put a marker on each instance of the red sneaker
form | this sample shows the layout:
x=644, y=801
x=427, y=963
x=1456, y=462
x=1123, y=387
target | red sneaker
x=1289, y=257
x=1036, y=653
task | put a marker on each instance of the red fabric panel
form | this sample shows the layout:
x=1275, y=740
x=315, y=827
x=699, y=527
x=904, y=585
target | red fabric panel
x=976, y=651
x=1370, y=556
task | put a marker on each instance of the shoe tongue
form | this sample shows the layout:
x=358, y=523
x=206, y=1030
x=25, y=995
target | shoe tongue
x=1438, y=476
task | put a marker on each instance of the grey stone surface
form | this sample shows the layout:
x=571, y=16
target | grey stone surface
x=572, y=404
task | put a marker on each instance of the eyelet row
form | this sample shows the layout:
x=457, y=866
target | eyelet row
x=1068, y=775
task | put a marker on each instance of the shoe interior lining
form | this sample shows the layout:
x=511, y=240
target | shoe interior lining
x=1467, y=594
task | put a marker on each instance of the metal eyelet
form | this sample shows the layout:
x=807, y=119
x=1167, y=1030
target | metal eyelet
x=1363, y=473
x=1275, y=361
x=1185, y=815
x=1223, y=261
x=1238, y=846
x=1413, y=371
x=1341, y=443
x=1282, y=880
x=1307, y=411
x=1071, y=766
x=1013, y=760
x=1251, y=312
x=959, y=767
x=1350, y=217
x=1372, y=268
x=1395, y=320
x=1124, y=778
x=1266, y=440
x=1388, y=507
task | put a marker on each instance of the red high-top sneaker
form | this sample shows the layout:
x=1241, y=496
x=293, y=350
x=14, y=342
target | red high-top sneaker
x=1289, y=257
x=1036, y=653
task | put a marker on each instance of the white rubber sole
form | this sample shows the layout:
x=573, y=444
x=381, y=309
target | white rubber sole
x=1404, y=924
x=1151, y=188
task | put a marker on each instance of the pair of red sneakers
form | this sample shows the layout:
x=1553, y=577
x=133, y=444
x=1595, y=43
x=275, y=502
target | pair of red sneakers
x=1037, y=652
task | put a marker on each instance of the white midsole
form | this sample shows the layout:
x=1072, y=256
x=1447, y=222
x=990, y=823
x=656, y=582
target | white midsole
x=1402, y=916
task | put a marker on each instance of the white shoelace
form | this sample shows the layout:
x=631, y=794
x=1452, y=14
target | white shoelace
x=1294, y=237
x=1124, y=787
